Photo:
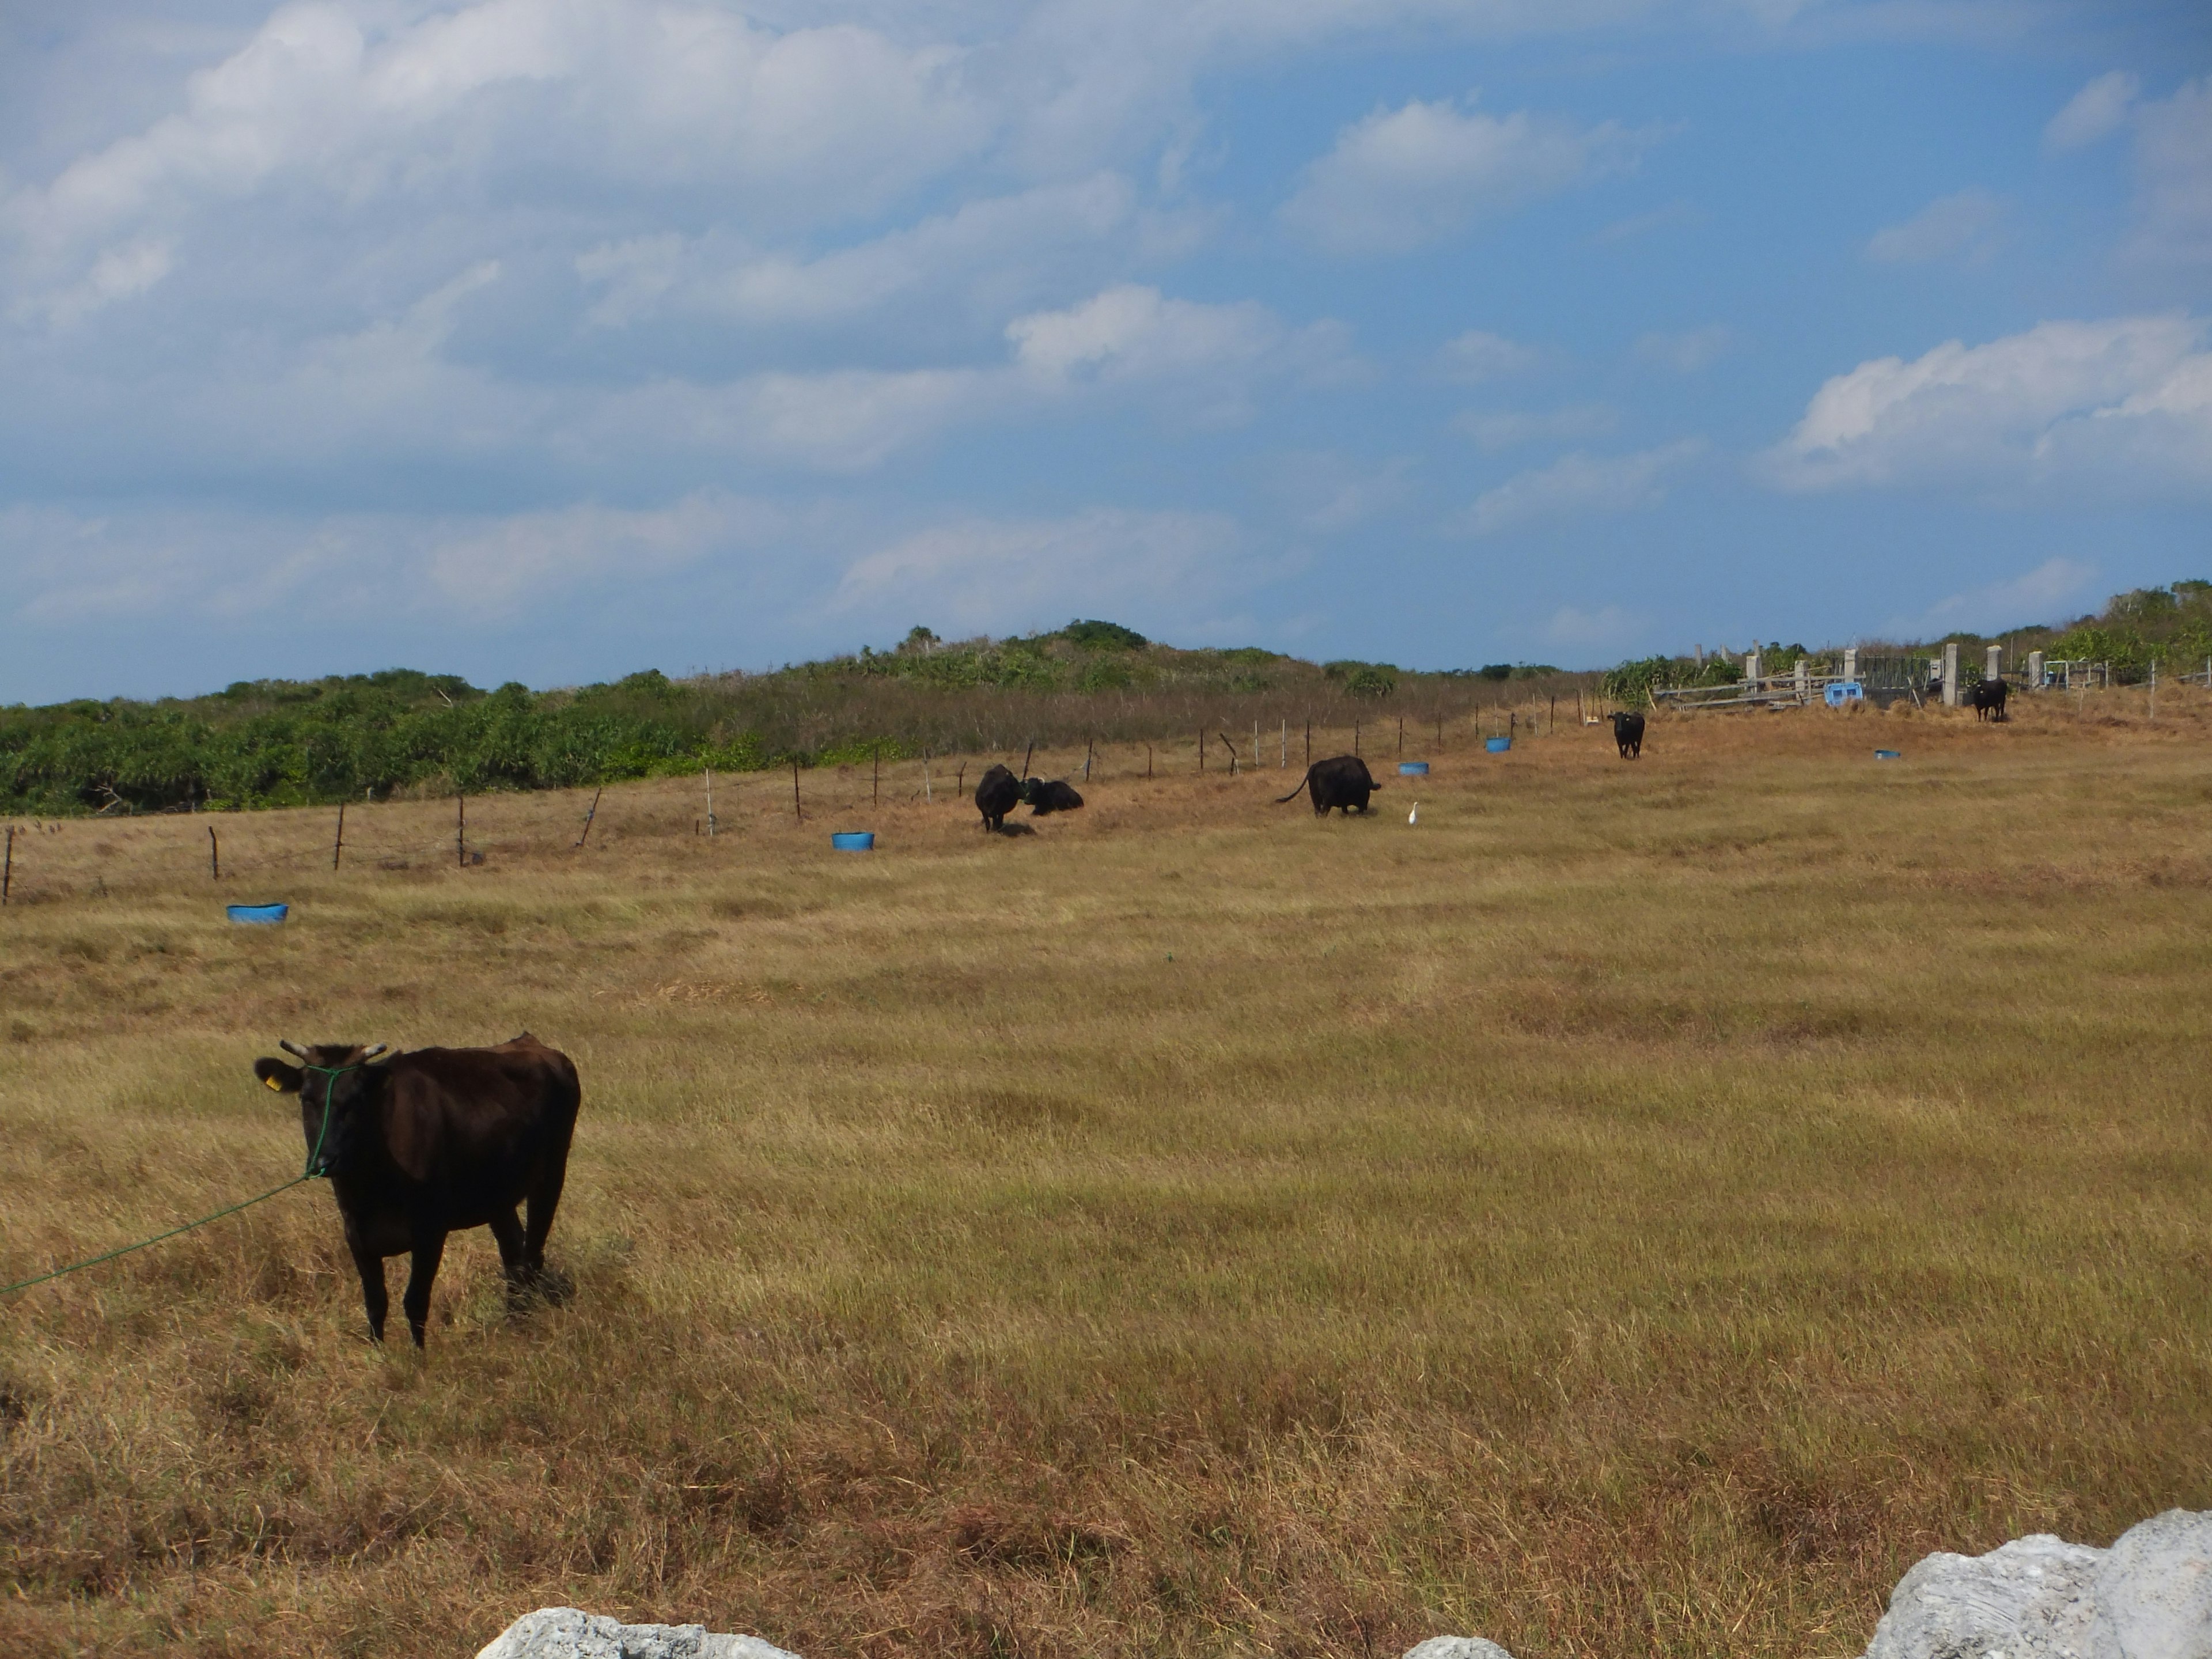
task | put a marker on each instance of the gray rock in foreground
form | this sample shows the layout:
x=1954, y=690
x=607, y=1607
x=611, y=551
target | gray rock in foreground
x=1457, y=1647
x=568, y=1633
x=2149, y=1596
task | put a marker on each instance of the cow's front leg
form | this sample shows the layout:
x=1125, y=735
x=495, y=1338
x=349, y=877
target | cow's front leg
x=430, y=1249
x=374, y=1296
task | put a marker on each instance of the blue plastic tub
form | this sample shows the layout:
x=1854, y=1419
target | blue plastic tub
x=1414, y=768
x=257, y=912
x=853, y=840
x=1889, y=754
x=1497, y=745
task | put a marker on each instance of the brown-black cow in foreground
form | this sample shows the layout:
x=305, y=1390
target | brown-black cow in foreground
x=427, y=1143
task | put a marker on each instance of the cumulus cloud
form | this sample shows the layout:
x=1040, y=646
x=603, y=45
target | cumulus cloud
x=2048, y=593
x=1401, y=178
x=2099, y=110
x=994, y=574
x=1475, y=356
x=1685, y=352
x=1578, y=484
x=2115, y=404
x=2173, y=176
x=1505, y=428
x=1963, y=226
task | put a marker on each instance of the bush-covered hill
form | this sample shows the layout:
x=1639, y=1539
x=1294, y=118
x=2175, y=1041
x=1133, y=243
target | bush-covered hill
x=283, y=743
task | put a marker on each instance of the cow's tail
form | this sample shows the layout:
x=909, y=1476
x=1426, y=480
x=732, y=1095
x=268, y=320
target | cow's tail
x=1295, y=793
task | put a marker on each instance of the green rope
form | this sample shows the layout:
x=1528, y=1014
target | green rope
x=309, y=1174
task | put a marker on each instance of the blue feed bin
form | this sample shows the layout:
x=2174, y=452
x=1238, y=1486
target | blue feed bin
x=1840, y=692
x=1889, y=754
x=1413, y=768
x=260, y=914
x=853, y=841
x=1497, y=745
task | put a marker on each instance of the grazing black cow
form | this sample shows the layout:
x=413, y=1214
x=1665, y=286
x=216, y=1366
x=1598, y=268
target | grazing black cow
x=1988, y=698
x=1341, y=781
x=997, y=794
x=431, y=1142
x=1054, y=795
x=1628, y=732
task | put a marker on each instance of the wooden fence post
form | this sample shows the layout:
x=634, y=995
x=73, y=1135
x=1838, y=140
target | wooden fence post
x=960, y=780
x=214, y=856
x=1283, y=762
x=337, y=847
x=1355, y=737
x=1148, y=760
x=1401, y=736
x=1201, y=748
x=8, y=866
x=876, y=776
x=1308, y=741
x=928, y=798
x=589, y=816
x=710, y=803
x=798, y=812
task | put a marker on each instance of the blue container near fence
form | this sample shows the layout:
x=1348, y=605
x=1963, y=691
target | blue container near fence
x=1840, y=692
x=1414, y=768
x=853, y=841
x=257, y=912
x=1497, y=745
x=1889, y=754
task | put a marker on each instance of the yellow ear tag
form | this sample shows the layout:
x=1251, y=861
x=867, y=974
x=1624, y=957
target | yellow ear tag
x=274, y=1085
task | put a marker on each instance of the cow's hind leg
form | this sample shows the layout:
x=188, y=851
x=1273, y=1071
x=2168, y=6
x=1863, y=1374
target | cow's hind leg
x=544, y=1199
x=506, y=1232
x=374, y=1296
x=429, y=1251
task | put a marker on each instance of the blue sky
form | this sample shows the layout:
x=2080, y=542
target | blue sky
x=552, y=339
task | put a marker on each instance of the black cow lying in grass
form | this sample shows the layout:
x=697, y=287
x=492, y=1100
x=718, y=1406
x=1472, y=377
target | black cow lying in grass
x=430, y=1143
x=1989, y=700
x=997, y=794
x=1341, y=781
x=1628, y=732
x=1053, y=795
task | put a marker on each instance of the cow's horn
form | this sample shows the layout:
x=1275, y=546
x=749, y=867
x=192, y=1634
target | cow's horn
x=371, y=1052
x=292, y=1048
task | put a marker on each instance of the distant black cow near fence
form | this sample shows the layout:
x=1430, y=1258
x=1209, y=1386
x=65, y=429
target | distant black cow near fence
x=997, y=794
x=433, y=1142
x=1044, y=795
x=1989, y=700
x=1628, y=732
x=1342, y=782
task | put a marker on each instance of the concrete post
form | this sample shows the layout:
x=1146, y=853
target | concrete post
x=2035, y=670
x=1850, y=662
x=1804, y=684
x=1751, y=666
x=1950, y=673
x=1995, y=667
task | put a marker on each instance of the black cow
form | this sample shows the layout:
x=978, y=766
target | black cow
x=997, y=794
x=432, y=1141
x=1628, y=732
x=1055, y=795
x=1988, y=698
x=1342, y=782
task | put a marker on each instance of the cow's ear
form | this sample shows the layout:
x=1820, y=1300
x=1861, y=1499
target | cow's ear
x=275, y=1074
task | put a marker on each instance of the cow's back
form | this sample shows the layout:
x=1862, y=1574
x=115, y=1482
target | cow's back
x=465, y=1118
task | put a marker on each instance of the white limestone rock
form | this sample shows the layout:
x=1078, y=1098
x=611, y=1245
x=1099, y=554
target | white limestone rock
x=570, y=1633
x=2149, y=1596
x=1457, y=1647
x=2154, y=1590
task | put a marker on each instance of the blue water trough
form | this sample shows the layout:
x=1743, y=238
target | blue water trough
x=262, y=913
x=853, y=840
x=1414, y=768
x=1497, y=745
x=1889, y=754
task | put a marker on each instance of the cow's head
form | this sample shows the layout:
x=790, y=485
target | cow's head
x=335, y=1081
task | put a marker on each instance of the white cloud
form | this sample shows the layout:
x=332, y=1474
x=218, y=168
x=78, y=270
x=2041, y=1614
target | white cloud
x=1402, y=178
x=996, y=575
x=2048, y=594
x=1606, y=628
x=2173, y=176
x=1958, y=227
x=2110, y=405
x=1505, y=429
x=2097, y=111
x=1686, y=352
x=1578, y=484
x=1475, y=356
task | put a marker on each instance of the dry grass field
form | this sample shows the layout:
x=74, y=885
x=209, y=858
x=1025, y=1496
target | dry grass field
x=1637, y=1209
